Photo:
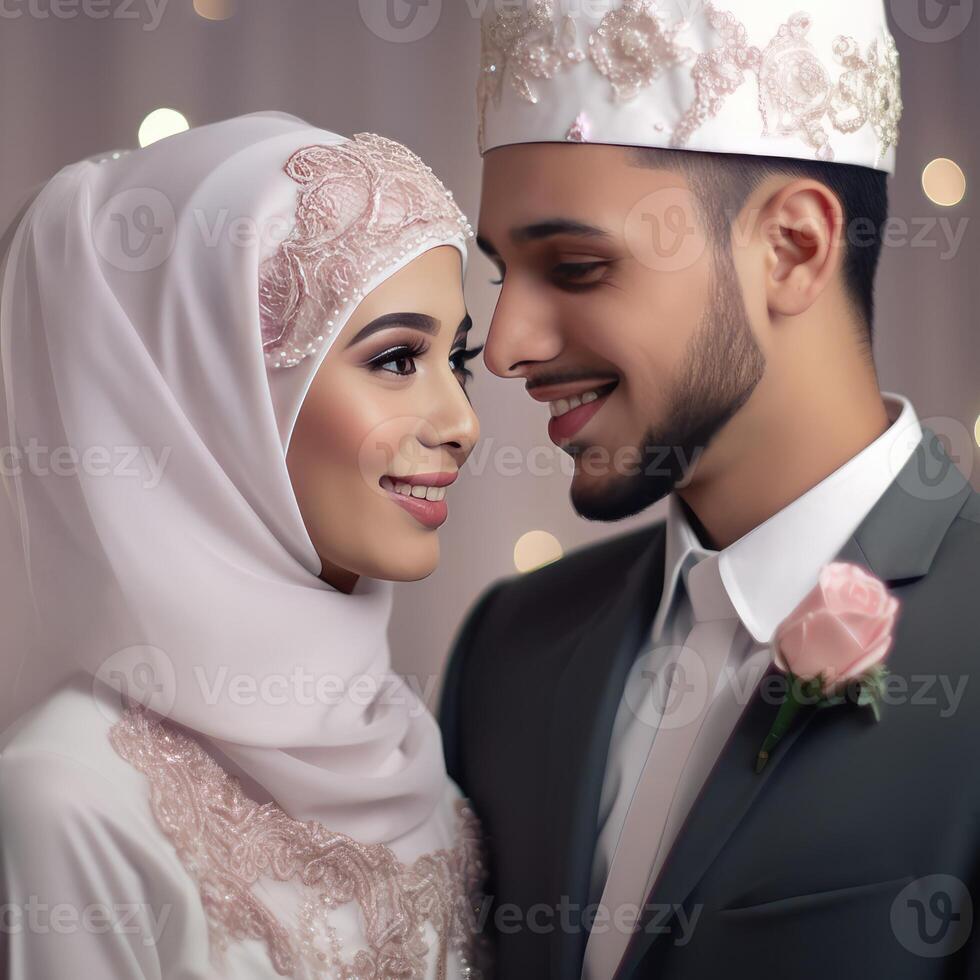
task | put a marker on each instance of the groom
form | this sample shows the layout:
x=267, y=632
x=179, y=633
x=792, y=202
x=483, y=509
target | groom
x=686, y=220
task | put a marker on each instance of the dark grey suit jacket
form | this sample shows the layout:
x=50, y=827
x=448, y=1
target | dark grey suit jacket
x=853, y=854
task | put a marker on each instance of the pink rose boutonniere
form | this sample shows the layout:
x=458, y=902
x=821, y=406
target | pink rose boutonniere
x=836, y=637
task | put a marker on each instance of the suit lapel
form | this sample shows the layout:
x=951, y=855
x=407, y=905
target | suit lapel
x=896, y=541
x=586, y=701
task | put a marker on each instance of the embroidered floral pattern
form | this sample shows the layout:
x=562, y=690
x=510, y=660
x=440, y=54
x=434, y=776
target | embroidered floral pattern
x=869, y=90
x=717, y=73
x=580, y=129
x=227, y=842
x=361, y=206
x=797, y=95
x=531, y=45
x=796, y=92
x=634, y=44
x=794, y=87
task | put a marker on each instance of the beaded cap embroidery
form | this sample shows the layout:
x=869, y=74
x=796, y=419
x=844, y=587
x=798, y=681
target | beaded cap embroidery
x=803, y=92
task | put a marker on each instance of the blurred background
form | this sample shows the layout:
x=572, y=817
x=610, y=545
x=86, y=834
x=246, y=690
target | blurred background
x=81, y=77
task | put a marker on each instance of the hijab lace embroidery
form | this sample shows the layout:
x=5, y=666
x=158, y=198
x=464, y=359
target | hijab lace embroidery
x=360, y=206
x=227, y=841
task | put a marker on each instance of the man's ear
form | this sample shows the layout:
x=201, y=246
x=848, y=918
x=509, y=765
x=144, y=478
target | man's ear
x=803, y=224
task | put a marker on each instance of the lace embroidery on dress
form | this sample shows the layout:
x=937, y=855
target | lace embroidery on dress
x=228, y=841
x=361, y=206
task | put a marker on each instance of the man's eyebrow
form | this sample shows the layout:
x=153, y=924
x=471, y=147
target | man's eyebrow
x=417, y=321
x=556, y=226
x=545, y=229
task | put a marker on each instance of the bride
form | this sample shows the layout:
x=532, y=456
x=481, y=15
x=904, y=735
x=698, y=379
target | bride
x=234, y=369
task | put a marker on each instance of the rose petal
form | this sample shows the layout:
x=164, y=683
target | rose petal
x=866, y=662
x=789, y=636
x=862, y=627
x=823, y=645
x=856, y=595
x=881, y=627
x=852, y=589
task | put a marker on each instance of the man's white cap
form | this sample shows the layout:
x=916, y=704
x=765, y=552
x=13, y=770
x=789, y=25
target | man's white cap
x=761, y=77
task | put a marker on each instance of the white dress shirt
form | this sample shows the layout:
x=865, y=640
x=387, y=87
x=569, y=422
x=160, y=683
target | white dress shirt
x=765, y=574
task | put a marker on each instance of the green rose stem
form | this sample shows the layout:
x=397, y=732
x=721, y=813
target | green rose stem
x=799, y=694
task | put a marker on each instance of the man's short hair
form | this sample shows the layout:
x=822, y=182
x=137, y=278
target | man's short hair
x=722, y=183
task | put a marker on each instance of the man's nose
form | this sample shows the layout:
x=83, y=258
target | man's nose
x=522, y=333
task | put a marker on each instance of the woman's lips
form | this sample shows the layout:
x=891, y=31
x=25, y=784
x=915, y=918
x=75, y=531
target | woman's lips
x=431, y=513
x=564, y=427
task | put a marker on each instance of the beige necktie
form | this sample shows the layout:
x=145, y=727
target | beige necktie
x=691, y=676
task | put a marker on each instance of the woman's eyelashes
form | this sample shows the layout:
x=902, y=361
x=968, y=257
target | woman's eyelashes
x=400, y=359
x=458, y=359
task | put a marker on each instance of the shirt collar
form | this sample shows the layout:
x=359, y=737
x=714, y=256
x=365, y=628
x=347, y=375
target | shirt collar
x=765, y=578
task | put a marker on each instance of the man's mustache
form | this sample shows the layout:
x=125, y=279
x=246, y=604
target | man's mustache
x=566, y=377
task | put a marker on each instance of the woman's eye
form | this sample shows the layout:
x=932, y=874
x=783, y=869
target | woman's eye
x=400, y=365
x=399, y=361
x=458, y=359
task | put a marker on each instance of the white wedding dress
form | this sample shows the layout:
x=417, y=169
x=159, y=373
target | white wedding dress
x=128, y=852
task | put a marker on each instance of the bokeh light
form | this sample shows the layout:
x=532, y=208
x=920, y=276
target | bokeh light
x=944, y=182
x=214, y=9
x=161, y=123
x=534, y=549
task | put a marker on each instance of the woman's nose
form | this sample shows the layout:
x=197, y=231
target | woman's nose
x=455, y=424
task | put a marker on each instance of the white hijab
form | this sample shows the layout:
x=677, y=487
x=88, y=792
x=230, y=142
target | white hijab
x=168, y=557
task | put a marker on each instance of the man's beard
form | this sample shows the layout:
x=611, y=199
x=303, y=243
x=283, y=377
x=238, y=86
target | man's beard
x=721, y=367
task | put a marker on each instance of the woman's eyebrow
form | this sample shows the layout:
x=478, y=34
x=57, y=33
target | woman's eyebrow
x=417, y=321
x=465, y=326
